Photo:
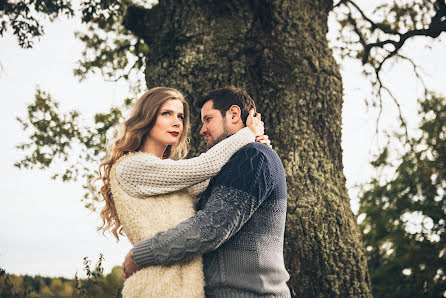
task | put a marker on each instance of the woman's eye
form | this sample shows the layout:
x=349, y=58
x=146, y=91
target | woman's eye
x=181, y=117
x=165, y=113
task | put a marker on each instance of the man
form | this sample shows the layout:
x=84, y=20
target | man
x=240, y=222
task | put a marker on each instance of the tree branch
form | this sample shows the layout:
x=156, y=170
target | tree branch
x=125, y=75
x=144, y=23
x=415, y=69
x=379, y=35
x=436, y=27
x=400, y=114
x=338, y=4
x=373, y=24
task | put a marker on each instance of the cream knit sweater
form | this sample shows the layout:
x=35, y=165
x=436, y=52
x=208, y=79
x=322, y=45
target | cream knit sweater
x=152, y=195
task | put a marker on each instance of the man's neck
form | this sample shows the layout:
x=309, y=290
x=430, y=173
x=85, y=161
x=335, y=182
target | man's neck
x=234, y=129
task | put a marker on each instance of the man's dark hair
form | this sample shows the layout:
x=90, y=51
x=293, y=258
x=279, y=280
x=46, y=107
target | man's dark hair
x=224, y=98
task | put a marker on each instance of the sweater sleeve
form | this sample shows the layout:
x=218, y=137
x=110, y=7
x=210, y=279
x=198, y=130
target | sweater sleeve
x=233, y=200
x=198, y=188
x=145, y=174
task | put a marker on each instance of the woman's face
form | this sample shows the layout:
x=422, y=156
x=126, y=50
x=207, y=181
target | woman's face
x=169, y=123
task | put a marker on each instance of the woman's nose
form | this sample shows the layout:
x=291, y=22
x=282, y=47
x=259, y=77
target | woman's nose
x=176, y=122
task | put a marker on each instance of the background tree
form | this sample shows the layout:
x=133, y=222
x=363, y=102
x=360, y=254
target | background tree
x=96, y=284
x=379, y=40
x=278, y=52
x=24, y=17
x=404, y=224
x=403, y=205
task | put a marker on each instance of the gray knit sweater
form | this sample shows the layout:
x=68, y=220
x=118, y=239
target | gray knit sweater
x=239, y=229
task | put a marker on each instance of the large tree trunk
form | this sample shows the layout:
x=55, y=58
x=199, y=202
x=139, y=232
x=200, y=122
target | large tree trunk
x=278, y=52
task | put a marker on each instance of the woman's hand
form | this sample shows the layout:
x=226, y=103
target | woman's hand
x=255, y=123
x=264, y=139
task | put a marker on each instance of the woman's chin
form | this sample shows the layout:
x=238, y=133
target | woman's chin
x=173, y=143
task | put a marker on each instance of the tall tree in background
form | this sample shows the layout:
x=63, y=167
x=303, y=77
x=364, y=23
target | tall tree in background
x=402, y=208
x=278, y=51
x=404, y=213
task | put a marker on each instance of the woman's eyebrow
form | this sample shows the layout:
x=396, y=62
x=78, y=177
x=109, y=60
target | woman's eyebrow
x=167, y=110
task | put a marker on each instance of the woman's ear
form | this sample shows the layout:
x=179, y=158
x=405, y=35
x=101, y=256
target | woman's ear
x=235, y=114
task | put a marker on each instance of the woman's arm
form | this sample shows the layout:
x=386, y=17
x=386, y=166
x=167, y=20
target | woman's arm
x=145, y=174
x=198, y=188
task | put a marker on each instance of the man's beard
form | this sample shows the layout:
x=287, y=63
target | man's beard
x=220, y=138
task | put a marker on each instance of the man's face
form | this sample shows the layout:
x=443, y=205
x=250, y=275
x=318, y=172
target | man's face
x=214, y=127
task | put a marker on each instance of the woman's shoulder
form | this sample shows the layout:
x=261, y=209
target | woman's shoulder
x=135, y=158
x=131, y=160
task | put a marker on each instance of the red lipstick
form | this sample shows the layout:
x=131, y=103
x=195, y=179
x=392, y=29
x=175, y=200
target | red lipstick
x=174, y=133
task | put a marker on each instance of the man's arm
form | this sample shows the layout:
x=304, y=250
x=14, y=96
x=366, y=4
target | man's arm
x=237, y=192
x=224, y=214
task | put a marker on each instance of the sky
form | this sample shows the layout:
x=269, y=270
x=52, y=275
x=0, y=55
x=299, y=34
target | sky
x=44, y=227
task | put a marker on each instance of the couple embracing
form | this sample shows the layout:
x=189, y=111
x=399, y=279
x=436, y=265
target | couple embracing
x=209, y=226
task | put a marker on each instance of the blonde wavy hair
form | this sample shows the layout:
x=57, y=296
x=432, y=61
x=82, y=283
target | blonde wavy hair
x=131, y=136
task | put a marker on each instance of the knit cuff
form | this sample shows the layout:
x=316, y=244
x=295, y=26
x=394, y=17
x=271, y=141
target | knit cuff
x=142, y=254
x=247, y=133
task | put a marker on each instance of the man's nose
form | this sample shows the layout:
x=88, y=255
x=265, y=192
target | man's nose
x=203, y=130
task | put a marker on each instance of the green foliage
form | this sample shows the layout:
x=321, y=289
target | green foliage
x=7, y=288
x=109, y=47
x=404, y=228
x=376, y=38
x=12, y=285
x=96, y=284
x=54, y=132
x=54, y=136
x=386, y=25
x=24, y=17
x=57, y=138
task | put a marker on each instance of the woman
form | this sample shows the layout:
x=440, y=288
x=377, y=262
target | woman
x=146, y=192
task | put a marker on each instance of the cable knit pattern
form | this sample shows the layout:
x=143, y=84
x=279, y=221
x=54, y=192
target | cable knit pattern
x=239, y=229
x=145, y=174
x=143, y=214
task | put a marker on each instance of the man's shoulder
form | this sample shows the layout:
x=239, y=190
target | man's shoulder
x=256, y=149
x=252, y=158
x=254, y=168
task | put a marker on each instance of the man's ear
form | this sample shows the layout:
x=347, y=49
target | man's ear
x=234, y=113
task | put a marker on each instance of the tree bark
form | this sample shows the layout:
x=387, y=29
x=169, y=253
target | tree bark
x=278, y=52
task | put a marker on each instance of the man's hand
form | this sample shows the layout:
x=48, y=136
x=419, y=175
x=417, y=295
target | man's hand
x=129, y=266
